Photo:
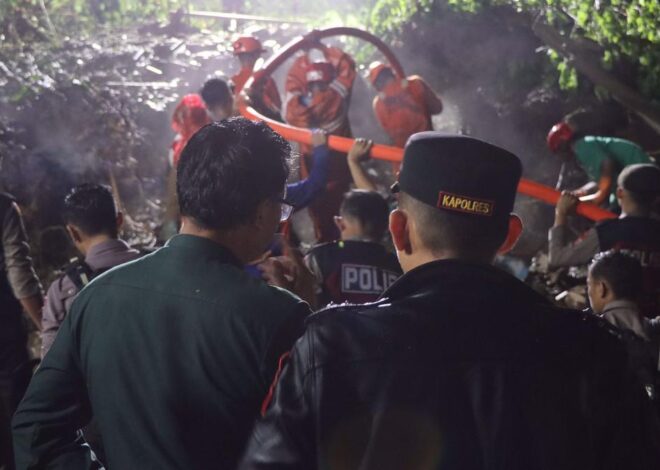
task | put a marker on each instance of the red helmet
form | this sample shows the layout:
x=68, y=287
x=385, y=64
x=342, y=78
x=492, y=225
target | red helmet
x=375, y=69
x=320, y=72
x=560, y=134
x=247, y=44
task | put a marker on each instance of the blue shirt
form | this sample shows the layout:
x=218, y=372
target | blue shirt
x=301, y=193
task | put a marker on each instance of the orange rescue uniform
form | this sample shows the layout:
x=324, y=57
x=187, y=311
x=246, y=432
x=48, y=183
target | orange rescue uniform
x=327, y=110
x=270, y=96
x=404, y=107
x=189, y=116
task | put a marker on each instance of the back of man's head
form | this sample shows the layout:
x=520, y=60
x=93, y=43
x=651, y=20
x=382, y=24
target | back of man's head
x=641, y=183
x=460, y=192
x=92, y=210
x=216, y=92
x=369, y=210
x=227, y=169
x=621, y=274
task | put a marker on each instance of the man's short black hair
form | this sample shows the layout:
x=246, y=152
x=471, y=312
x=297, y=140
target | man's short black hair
x=216, y=92
x=227, y=169
x=621, y=271
x=368, y=208
x=91, y=208
x=469, y=237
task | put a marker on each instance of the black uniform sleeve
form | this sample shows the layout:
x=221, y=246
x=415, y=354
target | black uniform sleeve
x=282, y=341
x=627, y=429
x=55, y=407
x=284, y=438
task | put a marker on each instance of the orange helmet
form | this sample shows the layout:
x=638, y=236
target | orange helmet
x=320, y=72
x=560, y=133
x=375, y=69
x=247, y=44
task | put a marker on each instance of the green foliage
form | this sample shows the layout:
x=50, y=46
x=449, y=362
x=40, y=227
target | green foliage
x=624, y=30
x=389, y=16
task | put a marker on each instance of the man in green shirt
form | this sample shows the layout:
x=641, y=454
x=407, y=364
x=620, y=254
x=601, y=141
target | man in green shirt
x=173, y=353
x=602, y=159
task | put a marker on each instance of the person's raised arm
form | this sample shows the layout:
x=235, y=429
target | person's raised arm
x=359, y=153
x=301, y=193
x=604, y=184
x=561, y=251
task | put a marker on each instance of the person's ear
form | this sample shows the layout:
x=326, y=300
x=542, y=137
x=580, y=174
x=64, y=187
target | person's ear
x=261, y=215
x=515, y=230
x=604, y=289
x=74, y=233
x=339, y=223
x=119, y=221
x=400, y=230
x=619, y=193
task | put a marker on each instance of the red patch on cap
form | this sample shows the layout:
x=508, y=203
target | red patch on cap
x=465, y=204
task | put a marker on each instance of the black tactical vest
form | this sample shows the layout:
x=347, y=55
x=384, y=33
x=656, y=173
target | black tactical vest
x=354, y=271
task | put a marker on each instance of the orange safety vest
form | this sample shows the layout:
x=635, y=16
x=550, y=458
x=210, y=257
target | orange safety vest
x=404, y=109
x=270, y=97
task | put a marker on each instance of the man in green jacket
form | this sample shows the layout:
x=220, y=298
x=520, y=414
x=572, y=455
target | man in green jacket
x=173, y=353
x=601, y=158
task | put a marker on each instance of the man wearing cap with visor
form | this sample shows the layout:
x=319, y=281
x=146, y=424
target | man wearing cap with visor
x=248, y=50
x=636, y=231
x=458, y=365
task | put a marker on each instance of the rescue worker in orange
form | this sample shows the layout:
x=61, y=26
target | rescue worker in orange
x=318, y=96
x=189, y=116
x=248, y=49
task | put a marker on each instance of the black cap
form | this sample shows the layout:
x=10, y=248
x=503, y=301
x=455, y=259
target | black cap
x=459, y=174
x=640, y=178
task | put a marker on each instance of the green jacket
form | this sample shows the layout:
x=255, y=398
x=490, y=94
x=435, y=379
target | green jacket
x=592, y=151
x=172, y=354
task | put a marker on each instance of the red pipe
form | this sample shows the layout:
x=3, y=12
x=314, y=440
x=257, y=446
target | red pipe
x=381, y=152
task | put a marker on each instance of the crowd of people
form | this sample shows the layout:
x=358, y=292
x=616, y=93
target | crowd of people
x=392, y=343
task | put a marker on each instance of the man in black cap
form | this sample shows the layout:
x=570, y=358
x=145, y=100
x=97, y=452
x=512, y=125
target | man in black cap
x=458, y=365
x=636, y=231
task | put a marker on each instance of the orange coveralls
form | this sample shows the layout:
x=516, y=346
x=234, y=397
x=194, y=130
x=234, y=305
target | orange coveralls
x=327, y=110
x=270, y=97
x=405, y=107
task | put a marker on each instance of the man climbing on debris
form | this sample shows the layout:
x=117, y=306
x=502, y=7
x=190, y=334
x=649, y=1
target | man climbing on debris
x=248, y=49
x=318, y=95
x=93, y=223
x=403, y=106
x=602, y=158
